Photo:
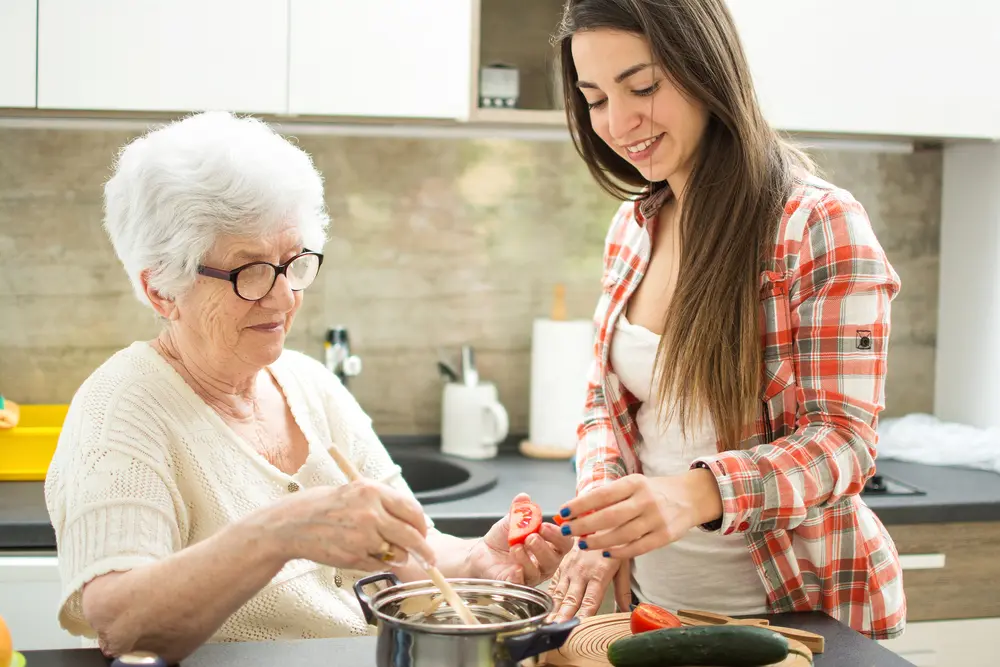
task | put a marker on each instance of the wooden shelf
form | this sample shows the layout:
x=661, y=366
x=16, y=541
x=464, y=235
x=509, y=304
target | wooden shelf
x=551, y=118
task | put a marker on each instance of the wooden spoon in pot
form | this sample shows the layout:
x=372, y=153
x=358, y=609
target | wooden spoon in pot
x=456, y=602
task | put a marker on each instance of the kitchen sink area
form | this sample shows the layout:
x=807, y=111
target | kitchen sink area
x=436, y=478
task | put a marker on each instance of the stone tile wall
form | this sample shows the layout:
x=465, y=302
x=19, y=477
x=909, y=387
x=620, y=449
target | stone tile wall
x=436, y=243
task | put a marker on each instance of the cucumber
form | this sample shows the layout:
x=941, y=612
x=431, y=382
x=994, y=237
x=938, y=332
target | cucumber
x=706, y=645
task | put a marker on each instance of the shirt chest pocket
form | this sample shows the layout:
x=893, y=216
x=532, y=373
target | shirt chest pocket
x=778, y=386
x=612, y=296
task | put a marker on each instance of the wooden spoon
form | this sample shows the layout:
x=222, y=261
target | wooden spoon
x=457, y=603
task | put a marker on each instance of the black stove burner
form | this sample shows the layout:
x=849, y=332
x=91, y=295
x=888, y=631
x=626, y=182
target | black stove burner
x=876, y=484
x=880, y=485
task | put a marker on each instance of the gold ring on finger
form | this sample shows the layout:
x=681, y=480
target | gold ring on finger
x=385, y=553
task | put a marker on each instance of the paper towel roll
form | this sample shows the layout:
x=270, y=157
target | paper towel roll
x=561, y=354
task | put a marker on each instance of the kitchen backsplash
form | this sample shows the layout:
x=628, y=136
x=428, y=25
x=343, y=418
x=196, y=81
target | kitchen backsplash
x=435, y=243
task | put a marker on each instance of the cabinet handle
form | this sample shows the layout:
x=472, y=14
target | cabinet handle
x=922, y=561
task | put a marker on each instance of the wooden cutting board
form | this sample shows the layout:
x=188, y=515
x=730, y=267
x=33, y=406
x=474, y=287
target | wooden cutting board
x=588, y=644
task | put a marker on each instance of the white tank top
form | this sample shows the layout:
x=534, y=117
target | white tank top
x=703, y=570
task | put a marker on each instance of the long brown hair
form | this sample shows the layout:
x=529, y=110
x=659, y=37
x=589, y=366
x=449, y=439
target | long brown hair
x=711, y=353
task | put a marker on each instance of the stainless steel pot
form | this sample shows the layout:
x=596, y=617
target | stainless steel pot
x=416, y=630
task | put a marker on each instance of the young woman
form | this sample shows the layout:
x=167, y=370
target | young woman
x=742, y=339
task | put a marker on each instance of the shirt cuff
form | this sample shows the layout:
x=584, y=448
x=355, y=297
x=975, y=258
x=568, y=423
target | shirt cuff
x=740, y=487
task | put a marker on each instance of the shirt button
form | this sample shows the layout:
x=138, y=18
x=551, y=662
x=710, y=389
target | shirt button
x=293, y=486
x=339, y=580
x=744, y=526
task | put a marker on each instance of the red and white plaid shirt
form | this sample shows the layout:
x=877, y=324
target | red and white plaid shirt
x=793, y=487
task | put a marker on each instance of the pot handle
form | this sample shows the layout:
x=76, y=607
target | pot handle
x=546, y=638
x=365, y=599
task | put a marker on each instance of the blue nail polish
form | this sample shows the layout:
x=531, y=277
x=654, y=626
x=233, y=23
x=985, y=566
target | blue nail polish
x=607, y=554
x=583, y=545
x=564, y=512
x=565, y=530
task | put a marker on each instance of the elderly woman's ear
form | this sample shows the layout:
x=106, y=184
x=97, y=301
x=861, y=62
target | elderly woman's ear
x=164, y=306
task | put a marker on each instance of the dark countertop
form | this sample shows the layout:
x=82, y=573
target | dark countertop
x=844, y=648
x=950, y=495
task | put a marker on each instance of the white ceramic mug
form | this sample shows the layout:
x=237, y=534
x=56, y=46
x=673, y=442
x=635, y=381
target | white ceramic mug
x=473, y=421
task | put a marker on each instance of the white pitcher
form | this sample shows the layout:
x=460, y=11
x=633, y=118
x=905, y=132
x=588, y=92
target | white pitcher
x=473, y=421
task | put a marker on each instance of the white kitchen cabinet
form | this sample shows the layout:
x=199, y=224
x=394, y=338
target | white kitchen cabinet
x=899, y=67
x=969, y=643
x=29, y=603
x=18, y=20
x=380, y=58
x=953, y=612
x=182, y=55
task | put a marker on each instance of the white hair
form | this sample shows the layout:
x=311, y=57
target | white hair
x=178, y=188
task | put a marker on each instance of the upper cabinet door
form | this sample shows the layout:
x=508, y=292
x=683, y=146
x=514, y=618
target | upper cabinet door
x=155, y=55
x=18, y=22
x=387, y=58
x=900, y=67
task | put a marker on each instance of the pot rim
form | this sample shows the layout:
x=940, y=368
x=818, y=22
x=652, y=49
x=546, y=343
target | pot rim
x=484, y=629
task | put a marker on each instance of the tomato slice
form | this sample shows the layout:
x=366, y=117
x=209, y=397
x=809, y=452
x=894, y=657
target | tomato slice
x=525, y=520
x=559, y=520
x=646, y=617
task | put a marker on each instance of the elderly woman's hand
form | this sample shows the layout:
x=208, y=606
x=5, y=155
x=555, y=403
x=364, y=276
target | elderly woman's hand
x=579, y=585
x=531, y=563
x=349, y=526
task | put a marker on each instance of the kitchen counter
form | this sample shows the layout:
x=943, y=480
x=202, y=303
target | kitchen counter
x=844, y=648
x=950, y=495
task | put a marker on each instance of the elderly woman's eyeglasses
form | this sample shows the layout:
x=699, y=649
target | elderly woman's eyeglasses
x=253, y=281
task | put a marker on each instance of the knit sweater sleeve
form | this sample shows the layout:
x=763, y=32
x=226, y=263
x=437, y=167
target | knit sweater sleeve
x=109, y=492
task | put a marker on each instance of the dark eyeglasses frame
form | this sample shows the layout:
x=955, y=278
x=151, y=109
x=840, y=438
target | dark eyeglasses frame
x=279, y=270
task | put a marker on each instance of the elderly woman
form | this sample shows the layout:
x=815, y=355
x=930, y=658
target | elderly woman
x=192, y=492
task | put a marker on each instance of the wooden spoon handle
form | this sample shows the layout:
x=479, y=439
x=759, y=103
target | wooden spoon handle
x=457, y=603
x=709, y=618
x=812, y=641
x=345, y=464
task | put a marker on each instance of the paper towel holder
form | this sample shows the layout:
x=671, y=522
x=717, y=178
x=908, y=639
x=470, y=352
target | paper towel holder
x=559, y=302
x=528, y=448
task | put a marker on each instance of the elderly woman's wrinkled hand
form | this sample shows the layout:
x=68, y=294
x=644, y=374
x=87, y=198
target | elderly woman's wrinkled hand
x=580, y=584
x=351, y=526
x=530, y=564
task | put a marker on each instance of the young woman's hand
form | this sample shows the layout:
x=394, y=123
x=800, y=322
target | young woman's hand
x=637, y=514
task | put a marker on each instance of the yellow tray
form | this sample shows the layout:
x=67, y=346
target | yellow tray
x=26, y=450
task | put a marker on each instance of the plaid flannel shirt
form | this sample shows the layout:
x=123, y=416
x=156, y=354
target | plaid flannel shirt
x=793, y=487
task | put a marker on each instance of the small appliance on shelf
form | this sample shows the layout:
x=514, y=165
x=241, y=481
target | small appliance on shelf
x=499, y=86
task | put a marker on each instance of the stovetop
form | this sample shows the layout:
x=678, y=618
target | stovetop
x=881, y=485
